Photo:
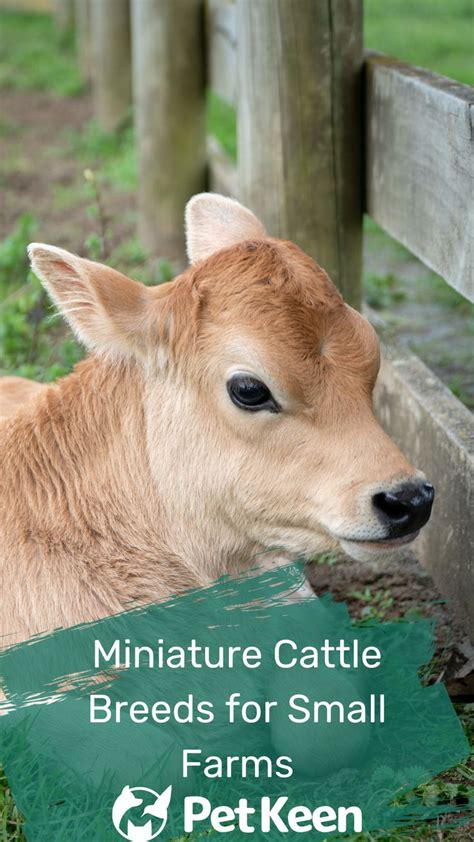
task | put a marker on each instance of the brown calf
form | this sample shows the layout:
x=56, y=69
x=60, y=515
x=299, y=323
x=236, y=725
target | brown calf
x=222, y=414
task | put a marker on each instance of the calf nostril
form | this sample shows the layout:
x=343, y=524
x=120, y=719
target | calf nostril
x=390, y=505
x=406, y=510
x=428, y=491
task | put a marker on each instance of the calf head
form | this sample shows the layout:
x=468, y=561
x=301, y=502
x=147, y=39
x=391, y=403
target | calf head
x=258, y=384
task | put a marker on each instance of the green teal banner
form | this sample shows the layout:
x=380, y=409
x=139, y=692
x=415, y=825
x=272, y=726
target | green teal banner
x=241, y=709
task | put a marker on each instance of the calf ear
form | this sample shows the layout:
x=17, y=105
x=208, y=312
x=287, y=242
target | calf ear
x=214, y=222
x=107, y=311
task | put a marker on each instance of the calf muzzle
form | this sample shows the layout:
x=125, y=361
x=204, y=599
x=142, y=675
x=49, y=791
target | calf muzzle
x=405, y=510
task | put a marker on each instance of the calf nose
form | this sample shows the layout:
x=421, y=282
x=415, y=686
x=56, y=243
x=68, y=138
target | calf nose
x=406, y=510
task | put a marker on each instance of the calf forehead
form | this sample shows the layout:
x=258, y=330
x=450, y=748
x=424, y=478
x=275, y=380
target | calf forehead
x=284, y=304
x=268, y=279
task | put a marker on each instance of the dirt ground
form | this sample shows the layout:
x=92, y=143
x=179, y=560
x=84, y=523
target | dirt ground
x=401, y=588
x=30, y=167
x=37, y=170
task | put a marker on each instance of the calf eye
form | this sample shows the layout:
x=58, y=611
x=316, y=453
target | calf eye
x=251, y=394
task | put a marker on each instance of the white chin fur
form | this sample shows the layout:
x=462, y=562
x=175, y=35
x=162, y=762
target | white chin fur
x=364, y=553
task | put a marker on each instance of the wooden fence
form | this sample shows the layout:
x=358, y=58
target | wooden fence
x=325, y=133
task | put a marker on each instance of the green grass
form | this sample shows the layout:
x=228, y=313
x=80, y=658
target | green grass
x=457, y=387
x=8, y=127
x=34, y=341
x=34, y=57
x=382, y=291
x=437, y=34
x=13, y=257
x=10, y=819
x=222, y=123
x=375, y=604
x=112, y=154
x=435, y=320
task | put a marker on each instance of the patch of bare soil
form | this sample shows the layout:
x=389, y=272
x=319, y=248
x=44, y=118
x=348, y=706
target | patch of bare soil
x=397, y=589
x=31, y=164
x=439, y=333
x=37, y=169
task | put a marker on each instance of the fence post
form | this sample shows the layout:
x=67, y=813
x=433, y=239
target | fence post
x=82, y=9
x=170, y=116
x=112, y=56
x=299, y=127
x=63, y=11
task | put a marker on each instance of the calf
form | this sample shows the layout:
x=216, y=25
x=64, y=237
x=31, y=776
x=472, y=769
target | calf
x=15, y=391
x=222, y=414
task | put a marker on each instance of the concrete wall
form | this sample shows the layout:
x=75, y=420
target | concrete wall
x=437, y=434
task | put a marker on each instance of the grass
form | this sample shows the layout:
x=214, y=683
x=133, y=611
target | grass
x=32, y=343
x=34, y=57
x=457, y=387
x=13, y=257
x=436, y=34
x=432, y=318
x=111, y=154
x=10, y=819
x=8, y=127
x=222, y=123
x=382, y=291
x=375, y=604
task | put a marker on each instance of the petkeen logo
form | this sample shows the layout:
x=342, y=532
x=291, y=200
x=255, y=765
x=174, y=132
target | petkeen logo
x=137, y=803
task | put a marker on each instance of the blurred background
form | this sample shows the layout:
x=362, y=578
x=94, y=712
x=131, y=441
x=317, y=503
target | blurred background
x=67, y=182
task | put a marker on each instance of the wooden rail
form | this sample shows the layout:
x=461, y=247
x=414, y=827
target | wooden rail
x=83, y=22
x=170, y=117
x=419, y=159
x=222, y=48
x=110, y=31
x=299, y=128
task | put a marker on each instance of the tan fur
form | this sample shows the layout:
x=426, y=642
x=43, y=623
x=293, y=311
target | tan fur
x=14, y=392
x=135, y=477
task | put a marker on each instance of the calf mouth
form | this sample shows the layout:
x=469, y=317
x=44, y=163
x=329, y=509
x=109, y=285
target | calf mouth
x=361, y=550
x=388, y=543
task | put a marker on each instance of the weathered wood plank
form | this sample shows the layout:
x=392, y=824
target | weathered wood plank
x=170, y=117
x=437, y=434
x=112, y=61
x=223, y=174
x=222, y=48
x=299, y=140
x=420, y=165
x=63, y=11
x=82, y=9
